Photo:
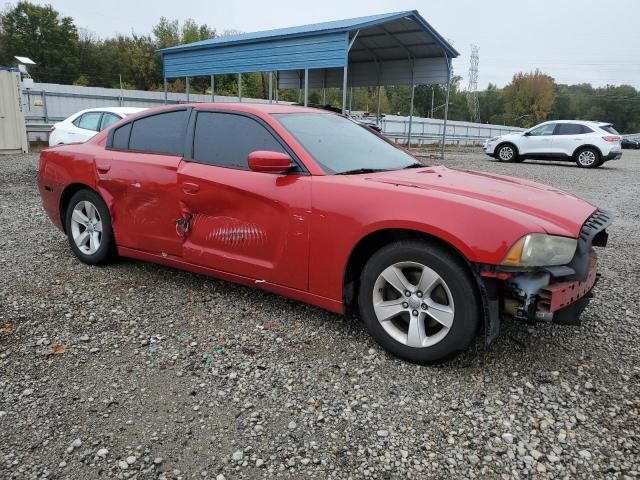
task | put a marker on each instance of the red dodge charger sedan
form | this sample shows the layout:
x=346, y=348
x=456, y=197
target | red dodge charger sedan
x=311, y=205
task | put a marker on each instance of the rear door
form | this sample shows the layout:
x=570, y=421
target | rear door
x=85, y=127
x=567, y=137
x=537, y=141
x=239, y=221
x=137, y=174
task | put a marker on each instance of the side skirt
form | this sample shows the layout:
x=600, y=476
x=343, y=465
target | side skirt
x=179, y=263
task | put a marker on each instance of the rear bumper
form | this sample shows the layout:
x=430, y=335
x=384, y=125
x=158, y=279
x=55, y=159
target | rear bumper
x=612, y=156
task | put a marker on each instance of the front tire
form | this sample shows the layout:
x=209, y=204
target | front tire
x=588, y=158
x=88, y=226
x=507, y=153
x=419, y=301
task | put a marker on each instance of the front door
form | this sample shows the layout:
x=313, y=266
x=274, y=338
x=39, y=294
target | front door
x=537, y=141
x=238, y=221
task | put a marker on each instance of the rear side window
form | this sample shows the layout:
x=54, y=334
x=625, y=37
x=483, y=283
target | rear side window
x=227, y=139
x=609, y=129
x=108, y=119
x=121, y=137
x=160, y=133
x=89, y=121
x=569, y=129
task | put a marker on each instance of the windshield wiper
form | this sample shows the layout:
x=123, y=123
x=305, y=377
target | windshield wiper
x=361, y=170
x=413, y=165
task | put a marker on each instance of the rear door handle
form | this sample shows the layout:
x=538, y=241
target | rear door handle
x=190, y=188
x=103, y=168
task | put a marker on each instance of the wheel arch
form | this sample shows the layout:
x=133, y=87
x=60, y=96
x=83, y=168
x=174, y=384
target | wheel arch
x=68, y=192
x=582, y=147
x=371, y=243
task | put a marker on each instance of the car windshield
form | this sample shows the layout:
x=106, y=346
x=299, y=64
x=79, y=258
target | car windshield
x=341, y=146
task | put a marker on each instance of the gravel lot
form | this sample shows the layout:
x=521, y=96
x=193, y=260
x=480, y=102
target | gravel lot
x=136, y=370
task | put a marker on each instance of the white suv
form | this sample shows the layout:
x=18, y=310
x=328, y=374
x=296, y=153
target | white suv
x=589, y=144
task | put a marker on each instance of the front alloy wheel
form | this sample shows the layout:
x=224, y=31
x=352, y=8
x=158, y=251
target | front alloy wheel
x=413, y=304
x=506, y=153
x=419, y=301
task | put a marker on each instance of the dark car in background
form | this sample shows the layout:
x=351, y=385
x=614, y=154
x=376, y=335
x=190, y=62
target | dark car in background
x=631, y=143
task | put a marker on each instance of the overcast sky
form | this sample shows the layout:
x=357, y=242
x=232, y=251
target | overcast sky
x=574, y=41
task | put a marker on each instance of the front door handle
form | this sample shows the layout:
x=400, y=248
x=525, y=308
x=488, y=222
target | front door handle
x=190, y=188
x=103, y=168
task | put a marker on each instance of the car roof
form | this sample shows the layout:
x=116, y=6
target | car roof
x=247, y=107
x=121, y=110
x=581, y=122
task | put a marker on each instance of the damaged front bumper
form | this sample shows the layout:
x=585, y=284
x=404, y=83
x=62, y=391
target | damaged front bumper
x=540, y=296
x=557, y=294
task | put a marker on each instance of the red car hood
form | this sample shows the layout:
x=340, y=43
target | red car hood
x=540, y=201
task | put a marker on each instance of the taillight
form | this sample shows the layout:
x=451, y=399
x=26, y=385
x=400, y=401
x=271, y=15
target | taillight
x=52, y=128
x=611, y=138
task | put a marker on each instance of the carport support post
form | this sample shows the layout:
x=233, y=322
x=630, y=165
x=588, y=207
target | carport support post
x=413, y=93
x=344, y=90
x=213, y=88
x=270, y=87
x=306, y=86
x=187, y=89
x=446, y=107
x=378, y=109
x=165, y=91
x=239, y=87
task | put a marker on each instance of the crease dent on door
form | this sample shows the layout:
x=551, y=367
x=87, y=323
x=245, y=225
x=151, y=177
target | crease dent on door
x=230, y=232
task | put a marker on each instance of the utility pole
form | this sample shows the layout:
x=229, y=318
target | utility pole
x=472, y=90
x=433, y=90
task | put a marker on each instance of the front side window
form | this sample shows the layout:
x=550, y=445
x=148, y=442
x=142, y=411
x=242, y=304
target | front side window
x=227, y=139
x=542, y=130
x=108, y=119
x=569, y=129
x=340, y=145
x=89, y=121
x=159, y=133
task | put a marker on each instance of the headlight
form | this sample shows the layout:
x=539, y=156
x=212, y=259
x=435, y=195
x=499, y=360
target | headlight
x=540, y=250
x=493, y=139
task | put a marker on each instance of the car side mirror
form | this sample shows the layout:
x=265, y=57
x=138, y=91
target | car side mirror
x=527, y=134
x=269, y=162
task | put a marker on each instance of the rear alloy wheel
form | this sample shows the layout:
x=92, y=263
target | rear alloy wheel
x=419, y=301
x=507, y=153
x=588, y=158
x=88, y=226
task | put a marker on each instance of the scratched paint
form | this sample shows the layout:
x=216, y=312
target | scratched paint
x=228, y=231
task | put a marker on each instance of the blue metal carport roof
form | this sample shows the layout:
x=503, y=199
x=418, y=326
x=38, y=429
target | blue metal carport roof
x=392, y=48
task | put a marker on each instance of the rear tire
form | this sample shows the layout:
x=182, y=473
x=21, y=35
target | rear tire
x=88, y=226
x=588, y=157
x=507, y=153
x=440, y=316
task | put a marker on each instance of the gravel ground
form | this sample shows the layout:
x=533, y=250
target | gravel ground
x=136, y=370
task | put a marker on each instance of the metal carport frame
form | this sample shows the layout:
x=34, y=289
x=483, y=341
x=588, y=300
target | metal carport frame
x=388, y=49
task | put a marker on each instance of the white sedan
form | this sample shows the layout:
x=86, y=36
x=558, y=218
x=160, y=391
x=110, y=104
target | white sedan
x=83, y=125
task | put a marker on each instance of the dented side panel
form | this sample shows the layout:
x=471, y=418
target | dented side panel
x=143, y=188
x=249, y=223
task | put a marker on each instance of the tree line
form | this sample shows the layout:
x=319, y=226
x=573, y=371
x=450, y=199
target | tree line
x=69, y=55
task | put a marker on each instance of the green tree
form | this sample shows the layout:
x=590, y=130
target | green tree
x=40, y=33
x=528, y=98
